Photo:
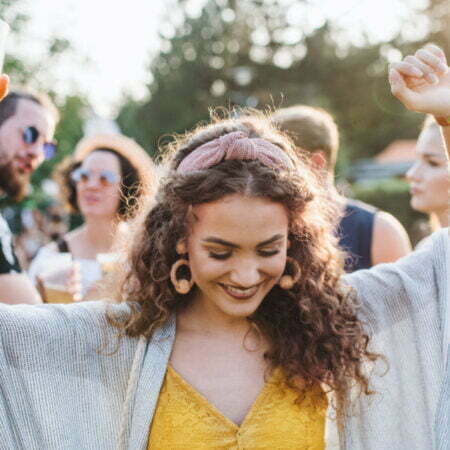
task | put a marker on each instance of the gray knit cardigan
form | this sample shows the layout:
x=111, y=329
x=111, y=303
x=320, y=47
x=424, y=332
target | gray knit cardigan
x=62, y=386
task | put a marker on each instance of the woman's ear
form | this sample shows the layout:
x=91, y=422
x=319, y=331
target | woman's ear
x=181, y=247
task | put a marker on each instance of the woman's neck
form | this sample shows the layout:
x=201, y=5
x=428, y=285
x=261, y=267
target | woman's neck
x=99, y=235
x=439, y=219
x=202, y=319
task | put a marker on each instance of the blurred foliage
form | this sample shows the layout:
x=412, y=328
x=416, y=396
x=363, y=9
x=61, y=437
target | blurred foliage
x=268, y=54
x=438, y=13
x=38, y=75
x=68, y=133
x=25, y=71
x=258, y=53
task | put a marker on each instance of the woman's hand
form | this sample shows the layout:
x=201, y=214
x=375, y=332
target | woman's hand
x=422, y=81
x=4, y=85
x=74, y=282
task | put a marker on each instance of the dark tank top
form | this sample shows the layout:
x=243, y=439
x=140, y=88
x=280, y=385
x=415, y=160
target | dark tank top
x=355, y=234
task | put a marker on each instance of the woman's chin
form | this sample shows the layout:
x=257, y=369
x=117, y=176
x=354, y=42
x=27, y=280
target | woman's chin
x=419, y=205
x=239, y=308
x=96, y=213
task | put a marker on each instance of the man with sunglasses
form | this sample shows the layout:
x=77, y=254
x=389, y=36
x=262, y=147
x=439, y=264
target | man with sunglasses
x=27, y=124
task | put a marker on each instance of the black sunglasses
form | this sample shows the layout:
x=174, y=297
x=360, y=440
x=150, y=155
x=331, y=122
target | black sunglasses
x=31, y=134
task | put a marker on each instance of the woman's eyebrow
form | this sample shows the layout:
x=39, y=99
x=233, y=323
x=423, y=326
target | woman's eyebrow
x=214, y=240
x=273, y=239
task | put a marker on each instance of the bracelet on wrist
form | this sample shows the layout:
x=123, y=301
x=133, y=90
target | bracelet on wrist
x=443, y=121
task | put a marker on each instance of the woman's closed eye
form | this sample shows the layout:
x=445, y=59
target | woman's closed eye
x=221, y=255
x=266, y=253
x=433, y=163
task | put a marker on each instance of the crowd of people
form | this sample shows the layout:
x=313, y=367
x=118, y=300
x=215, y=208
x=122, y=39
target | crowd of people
x=250, y=305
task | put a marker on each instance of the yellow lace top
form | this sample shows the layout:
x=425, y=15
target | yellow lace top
x=184, y=419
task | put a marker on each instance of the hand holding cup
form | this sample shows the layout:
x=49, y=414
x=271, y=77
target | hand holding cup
x=62, y=285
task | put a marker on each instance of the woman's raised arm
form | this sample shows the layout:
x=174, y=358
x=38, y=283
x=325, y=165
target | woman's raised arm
x=422, y=83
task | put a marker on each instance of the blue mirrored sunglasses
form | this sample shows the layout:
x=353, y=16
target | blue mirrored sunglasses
x=31, y=135
x=105, y=177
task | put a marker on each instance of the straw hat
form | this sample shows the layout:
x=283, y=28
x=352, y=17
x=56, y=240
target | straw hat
x=126, y=147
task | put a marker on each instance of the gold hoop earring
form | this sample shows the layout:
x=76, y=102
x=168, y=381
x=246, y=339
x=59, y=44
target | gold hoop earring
x=288, y=280
x=182, y=286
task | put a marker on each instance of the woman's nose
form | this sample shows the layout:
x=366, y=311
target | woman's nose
x=93, y=182
x=413, y=172
x=245, y=275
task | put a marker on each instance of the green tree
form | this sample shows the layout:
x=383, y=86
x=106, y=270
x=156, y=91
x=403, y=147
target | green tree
x=22, y=71
x=68, y=133
x=253, y=54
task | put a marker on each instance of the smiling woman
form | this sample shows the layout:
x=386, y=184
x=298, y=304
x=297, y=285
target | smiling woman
x=230, y=262
x=242, y=212
x=237, y=329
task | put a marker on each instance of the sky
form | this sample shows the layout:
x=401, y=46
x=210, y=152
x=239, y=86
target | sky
x=119, y=37
x=116, y=36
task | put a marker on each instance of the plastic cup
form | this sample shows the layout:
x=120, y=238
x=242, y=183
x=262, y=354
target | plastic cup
x=54, y=278
x=4, y=30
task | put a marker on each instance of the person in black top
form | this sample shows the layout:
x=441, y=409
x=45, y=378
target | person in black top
x=369, y=236
x=27, y=124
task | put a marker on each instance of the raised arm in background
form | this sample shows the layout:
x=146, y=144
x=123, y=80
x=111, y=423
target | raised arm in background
x=422, y=83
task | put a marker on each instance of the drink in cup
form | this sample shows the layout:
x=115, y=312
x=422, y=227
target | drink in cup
x=54, y=293
x=53, y=282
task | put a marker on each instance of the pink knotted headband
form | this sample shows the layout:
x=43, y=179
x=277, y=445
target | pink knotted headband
x=235, y=145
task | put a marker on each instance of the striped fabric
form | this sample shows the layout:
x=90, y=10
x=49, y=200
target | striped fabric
x=404, y=308
x=443, y=417
x=64, y=381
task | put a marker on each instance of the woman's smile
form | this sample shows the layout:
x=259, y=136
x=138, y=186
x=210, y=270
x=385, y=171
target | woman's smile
x=237, y=252
x=239, y=292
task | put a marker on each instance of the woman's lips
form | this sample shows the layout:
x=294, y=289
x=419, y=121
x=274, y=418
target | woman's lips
x=414, y=191
x=238, y=293
x=90, y=199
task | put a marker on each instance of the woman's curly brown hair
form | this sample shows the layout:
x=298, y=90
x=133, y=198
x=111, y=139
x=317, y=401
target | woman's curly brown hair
x=313, y=329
